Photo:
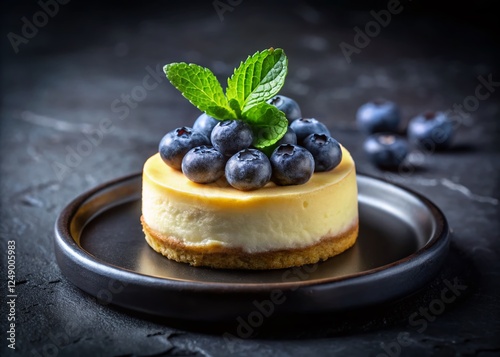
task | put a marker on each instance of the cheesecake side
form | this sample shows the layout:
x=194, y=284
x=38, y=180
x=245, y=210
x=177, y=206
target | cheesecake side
x=283, y=225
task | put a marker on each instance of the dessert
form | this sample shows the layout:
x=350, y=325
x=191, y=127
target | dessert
x=272, y=227
x=250, y=196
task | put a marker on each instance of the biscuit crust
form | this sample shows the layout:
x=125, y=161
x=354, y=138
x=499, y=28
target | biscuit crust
x=233, y=258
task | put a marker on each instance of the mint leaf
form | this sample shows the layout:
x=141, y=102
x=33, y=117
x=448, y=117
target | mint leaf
x=255, y=81
x=200, y=86
x=258, y=79
x=268, y=124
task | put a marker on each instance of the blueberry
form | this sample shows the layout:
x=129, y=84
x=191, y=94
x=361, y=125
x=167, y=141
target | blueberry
x=325, y=150
x=386, y=150
x=377, y=116
x=431, y=130
x=287, y=106
x=289, y=138
x=205, y=124
x=292, y=165
x=248, y=169
x=203, y=164
x=231, y=136
x=307, y=126
x=176, y=143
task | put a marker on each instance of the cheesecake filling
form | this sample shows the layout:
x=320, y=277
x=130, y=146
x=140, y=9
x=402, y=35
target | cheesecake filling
x=271, y=218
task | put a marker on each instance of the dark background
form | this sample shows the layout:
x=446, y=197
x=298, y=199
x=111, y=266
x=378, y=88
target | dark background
x=63, y=82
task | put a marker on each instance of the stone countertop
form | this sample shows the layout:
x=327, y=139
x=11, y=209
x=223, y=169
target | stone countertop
x=84, y=101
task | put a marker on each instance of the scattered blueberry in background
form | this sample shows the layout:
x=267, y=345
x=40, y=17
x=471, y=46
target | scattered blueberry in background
x=291, y=165
x=205, y=124
x=306, y=126
x=248, y=169
x=325, y=150
x=379, y=115
x=231, y=136
x=203, y=164
x=286, y=105
x=386, y=150
x=431, y=130
x=176, y=143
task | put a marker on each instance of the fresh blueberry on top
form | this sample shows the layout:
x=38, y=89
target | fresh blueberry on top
x=286, y=105
x=203, y=164
x=292, y=165
x=325, y=150
x=306, y=126
x=377, y=116
x=231, y=136
x=205, y=124
x=386, y=150
x=431, y=130
x=248, y=169
x=176, y=143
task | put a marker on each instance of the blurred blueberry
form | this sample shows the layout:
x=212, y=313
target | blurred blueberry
x=377, y=116
x=176, y=143
x=386, y=150
x=431, y=130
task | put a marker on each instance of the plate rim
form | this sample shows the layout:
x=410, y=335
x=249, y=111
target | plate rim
x=66, y=244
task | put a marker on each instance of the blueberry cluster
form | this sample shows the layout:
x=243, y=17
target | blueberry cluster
x=213, y=148
x=380, y=119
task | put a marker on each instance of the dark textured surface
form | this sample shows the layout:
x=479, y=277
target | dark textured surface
x=64, y=81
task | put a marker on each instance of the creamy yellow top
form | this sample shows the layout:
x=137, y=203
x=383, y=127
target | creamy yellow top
x=164, y=177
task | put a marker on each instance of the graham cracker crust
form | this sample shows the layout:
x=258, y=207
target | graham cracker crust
x=234, y=258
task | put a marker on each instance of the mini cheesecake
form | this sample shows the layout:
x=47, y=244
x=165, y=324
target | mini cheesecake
x=274, y=227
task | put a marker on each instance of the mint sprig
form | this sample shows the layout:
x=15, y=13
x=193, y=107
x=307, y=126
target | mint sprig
x=255, y=81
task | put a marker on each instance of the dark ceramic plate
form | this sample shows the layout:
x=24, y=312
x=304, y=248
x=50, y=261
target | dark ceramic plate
x=100, y=247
